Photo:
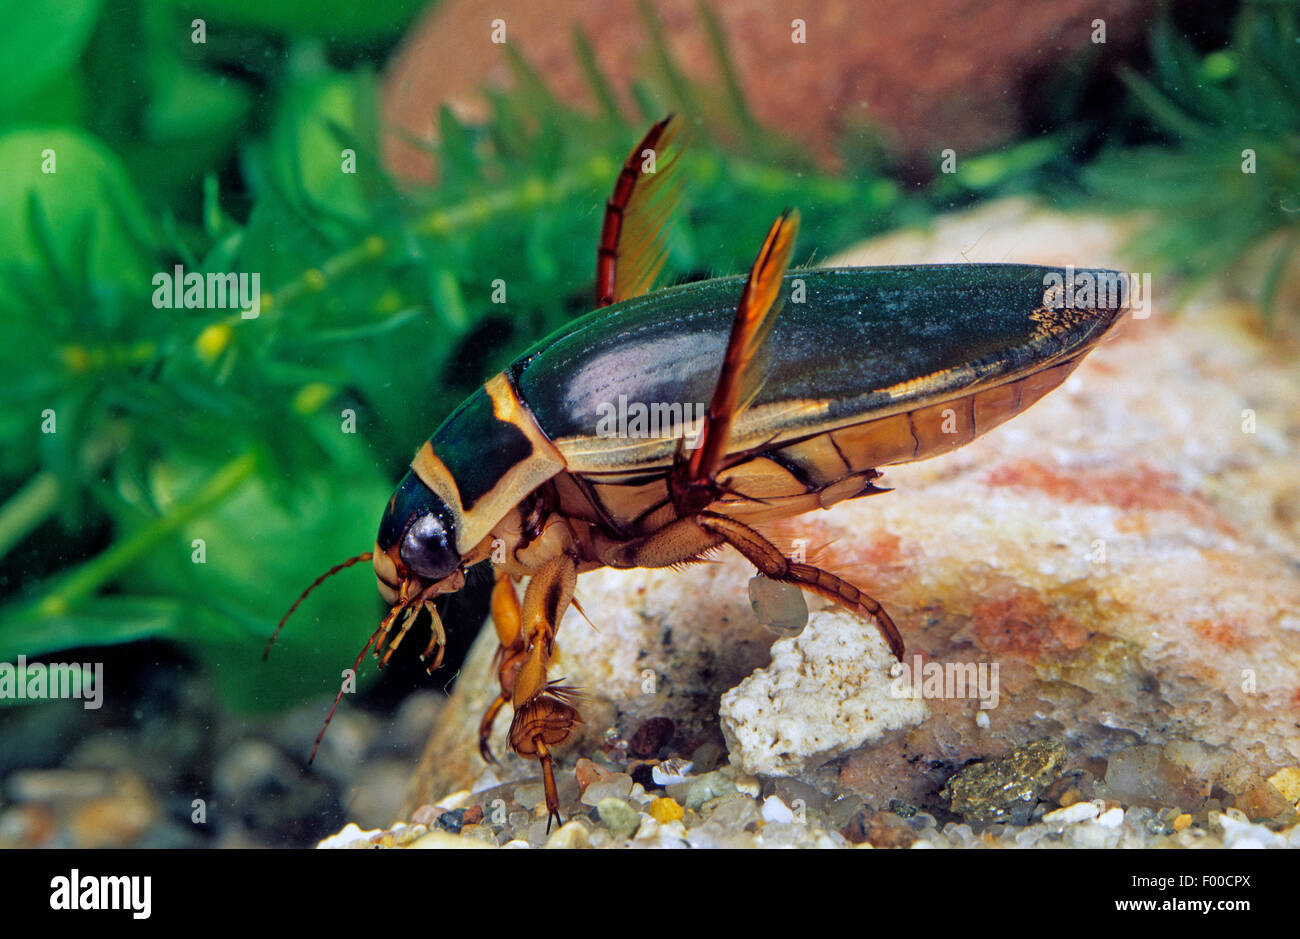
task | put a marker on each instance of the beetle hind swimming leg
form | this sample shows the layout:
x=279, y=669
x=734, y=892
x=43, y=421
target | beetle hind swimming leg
x=693, y=485
x=545, y=721
x=772, y=564
x=633, y=236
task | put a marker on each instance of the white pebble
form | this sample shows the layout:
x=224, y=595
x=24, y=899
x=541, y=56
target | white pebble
x=774, y=810
x=1078, y=812
x=671, y=772
x=673, y=835
x=748, y=785
x=617, y=786
x=1239, y=834
x=455, y=801
x=350, y=834
x=1112, y=819
x=826, y=692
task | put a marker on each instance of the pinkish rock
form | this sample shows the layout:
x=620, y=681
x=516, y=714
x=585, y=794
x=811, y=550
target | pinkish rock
x=934, y=74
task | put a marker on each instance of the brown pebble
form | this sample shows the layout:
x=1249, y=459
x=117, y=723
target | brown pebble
x=31, y=825
x=881, y=829
x=651, y=737
x=706, y=758
x=111, y=821
x=1076, y=785
x=473, y=815
x=587, y=773
x=426, y=815
x=1261, y=800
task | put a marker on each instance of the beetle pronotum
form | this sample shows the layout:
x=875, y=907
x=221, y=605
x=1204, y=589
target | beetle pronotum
x=805, y=401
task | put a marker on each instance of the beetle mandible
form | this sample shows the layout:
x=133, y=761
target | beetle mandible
x=800, y=404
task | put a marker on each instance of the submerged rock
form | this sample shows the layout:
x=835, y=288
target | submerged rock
x=619, y=817
x=1006, y=789
x=828, y=691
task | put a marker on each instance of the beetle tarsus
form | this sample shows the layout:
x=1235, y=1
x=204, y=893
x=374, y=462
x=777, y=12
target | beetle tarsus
x=548, y=783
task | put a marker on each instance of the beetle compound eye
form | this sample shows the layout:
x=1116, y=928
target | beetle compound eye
x=427, y=548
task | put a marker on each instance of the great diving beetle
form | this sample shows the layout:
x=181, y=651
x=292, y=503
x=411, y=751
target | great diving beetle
x=803, y=382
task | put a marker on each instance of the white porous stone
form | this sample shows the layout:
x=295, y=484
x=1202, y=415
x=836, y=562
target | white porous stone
x=827, y=691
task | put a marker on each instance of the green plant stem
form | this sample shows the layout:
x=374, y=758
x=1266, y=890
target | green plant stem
x=314, y=279
x=95, y=573
x=32, y=505
x=27, y=508
x=443, y=223
x=529, y=194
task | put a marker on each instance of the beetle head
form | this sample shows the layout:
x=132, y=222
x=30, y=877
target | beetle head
x=416, y=541
x=415, y=560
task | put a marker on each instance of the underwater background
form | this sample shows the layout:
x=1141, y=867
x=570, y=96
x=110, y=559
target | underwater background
x=174, y=470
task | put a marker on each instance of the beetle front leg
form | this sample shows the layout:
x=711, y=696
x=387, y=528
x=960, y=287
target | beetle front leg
x=485, y=728
x=771, y=563
x=508, y=621
x=544, y=713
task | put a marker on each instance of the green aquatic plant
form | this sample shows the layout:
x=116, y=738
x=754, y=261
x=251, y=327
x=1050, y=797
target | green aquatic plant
x=180, y=471
x=1224, y=175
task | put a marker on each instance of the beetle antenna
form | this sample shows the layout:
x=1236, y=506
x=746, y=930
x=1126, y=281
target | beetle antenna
x=364, y=556
x=344, y=687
